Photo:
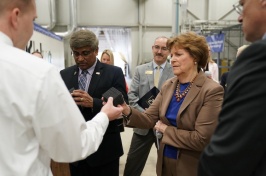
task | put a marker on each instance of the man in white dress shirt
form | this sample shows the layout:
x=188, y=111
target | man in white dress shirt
x=38, y=118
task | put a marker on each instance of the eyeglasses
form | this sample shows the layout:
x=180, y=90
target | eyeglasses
x=238, y=8
x=156, y=47
x=83, y=53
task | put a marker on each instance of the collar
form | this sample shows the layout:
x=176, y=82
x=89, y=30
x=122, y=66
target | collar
x=155, y=65
x=5, y=39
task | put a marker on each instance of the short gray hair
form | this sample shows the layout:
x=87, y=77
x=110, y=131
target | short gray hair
x=84, y=38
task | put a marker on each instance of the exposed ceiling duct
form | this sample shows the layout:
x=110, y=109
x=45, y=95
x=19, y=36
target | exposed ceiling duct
x=52, y=16
x=72, y=19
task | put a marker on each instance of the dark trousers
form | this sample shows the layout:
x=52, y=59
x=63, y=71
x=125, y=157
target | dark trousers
x=138, y=153
x=83, y=169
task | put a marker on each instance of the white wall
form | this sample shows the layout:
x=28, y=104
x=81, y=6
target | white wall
x=49, y=44
x=147, y=19
x=213, y=9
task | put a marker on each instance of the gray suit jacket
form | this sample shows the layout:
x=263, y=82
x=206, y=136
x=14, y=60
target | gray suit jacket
x=142, y=82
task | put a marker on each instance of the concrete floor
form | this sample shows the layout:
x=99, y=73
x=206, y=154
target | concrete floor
x=150, y=167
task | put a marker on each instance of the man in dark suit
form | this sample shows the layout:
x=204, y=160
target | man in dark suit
x=90, y=78
x=238, y=146
x=223, y=80
x=143, y=81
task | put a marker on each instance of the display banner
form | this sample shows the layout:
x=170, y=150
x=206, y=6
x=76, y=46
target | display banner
x=216, y=42
x=47, y=32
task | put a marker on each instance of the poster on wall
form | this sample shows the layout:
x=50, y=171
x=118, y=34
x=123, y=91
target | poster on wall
x=50, y=45
x=216, y=42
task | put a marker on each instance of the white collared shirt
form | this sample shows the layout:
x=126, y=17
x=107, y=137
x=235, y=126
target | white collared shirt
x=89, y=74
x=38, y=118
x=155, y=66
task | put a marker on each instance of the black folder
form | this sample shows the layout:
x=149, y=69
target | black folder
x=148, y=98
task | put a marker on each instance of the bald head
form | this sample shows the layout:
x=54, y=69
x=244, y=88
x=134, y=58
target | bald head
x=6, y=5
x=16, y=20
x=37, y=54
x=253, y=19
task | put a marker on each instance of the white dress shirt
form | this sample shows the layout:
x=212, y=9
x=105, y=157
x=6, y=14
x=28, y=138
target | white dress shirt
x=39, y=119
x=213, y=68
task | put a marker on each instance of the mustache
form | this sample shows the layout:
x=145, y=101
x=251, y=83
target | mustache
x=159, y=55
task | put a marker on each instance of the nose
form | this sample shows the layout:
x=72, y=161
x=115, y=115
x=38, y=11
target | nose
x=159, y=50
x=80, y=58
x=240, y=19
x=172, y=60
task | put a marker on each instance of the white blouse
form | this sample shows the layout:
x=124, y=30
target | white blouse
x=213, y=68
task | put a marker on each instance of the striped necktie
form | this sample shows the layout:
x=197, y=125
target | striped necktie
x=157, y=76
x=83, y=80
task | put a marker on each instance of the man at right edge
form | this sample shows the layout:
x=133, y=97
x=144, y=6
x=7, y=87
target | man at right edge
x=238, y=146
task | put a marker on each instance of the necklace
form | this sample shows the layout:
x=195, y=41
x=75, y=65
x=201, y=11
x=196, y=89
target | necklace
x=178, y=94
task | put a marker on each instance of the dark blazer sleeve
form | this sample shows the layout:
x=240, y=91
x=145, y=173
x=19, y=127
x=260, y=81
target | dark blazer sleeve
x=238, y=145
x=70, y=77
x=223, y=80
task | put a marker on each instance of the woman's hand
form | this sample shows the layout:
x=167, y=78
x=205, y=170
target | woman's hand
x=160, y=126
x=126, y=109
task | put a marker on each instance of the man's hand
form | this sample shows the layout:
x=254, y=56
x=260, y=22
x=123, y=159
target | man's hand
x=112, y=111
x=82, y=98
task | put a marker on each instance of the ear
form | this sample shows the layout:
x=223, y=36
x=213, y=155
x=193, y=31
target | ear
x=15, y=13
x=263, y=3
x=96, y=51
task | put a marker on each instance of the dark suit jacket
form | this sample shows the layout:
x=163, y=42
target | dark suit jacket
x=223, y=81
x=104, y=77
x=238, y=146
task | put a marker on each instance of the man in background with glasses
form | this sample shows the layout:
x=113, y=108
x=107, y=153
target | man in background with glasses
x=238, y=146
x=144, y=80
x=90, y=79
